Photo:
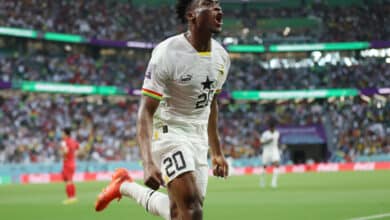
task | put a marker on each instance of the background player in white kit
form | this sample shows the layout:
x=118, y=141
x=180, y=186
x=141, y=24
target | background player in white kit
x=271, y=155
x=177, y=119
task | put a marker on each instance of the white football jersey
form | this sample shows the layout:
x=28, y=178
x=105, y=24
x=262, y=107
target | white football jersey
x=274, y=137
x=185, y=80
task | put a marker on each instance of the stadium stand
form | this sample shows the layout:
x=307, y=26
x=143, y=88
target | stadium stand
x=105, y=126
x=247, y=74
x=265, y=22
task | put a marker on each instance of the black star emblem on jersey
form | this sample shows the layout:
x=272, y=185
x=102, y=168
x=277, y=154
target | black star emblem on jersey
x=207, y=84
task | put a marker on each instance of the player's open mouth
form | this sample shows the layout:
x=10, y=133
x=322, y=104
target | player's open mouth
x=218, y=19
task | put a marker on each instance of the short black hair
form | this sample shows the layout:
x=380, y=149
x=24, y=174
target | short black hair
x=181, y=9
x=67, y=131
x=272, y=122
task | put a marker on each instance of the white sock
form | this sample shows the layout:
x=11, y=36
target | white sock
x=262, y=177
x=154, y=202
x=274, y=182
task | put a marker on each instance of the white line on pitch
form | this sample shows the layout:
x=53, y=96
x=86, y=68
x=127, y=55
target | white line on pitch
x=372, y=217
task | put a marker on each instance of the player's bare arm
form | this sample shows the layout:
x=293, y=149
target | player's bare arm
x=147, y=108
x=64, y=149
x=220, y=165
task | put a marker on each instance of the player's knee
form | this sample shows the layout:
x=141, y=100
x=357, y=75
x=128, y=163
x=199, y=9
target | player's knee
x=193, y=205
x=195, y=210
x=174, y=211
x=197, y=213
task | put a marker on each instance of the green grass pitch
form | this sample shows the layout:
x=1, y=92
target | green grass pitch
x=342, y=195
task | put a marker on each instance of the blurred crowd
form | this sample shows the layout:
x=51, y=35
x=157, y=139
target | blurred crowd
x=356, y=127
x=360, y=128
x=250, y=75
x=354, y=23
x=105, y=127
x=115, y=20
x=245, y=74
x=121, y=20
x=75, y=68
x=32, y=125
x=334, y=23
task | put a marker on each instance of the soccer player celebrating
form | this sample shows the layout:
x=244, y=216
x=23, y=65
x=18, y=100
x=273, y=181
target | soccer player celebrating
x=271, y=156
x=177, y=118
x=69, y=147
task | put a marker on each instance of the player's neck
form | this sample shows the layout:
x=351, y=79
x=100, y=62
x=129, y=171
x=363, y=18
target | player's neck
x=201, y=41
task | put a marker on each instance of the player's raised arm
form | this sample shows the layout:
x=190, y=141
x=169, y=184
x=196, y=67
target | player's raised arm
x=220, y=165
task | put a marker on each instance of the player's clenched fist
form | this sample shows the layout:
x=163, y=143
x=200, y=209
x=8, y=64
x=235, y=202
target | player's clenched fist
x=152, y=176
x=220, y=166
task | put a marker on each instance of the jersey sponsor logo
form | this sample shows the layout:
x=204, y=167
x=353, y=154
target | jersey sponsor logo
x=185, y=78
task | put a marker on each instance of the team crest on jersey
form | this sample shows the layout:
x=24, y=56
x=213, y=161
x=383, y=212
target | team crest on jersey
x=185, y=77
x=208, y=84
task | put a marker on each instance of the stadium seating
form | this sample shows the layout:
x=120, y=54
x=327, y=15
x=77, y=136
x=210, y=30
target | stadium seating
x=106, y=126
x=120, y=20
x=246, y=74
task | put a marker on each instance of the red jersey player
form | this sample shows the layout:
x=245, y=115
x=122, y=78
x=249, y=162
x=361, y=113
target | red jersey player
x=69, y=147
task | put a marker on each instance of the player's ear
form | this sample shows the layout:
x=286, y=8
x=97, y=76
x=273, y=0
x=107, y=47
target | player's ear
x=190, y=15
x=191, y=12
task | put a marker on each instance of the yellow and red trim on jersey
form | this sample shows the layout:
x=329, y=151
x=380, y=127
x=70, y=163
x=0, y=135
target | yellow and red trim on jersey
x=151, y=94
x=218, y=91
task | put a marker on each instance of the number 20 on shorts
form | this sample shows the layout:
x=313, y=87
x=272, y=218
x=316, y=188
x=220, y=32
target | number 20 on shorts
x=174, y=163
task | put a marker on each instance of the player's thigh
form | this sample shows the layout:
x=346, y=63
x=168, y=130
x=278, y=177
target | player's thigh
x=180, y=174
x=193, y=195
x=201, y=177
x=67, y=173
x=184, y=192
x=266, y=158
x=175, y=161
x=179, y=165
x=275, y=159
